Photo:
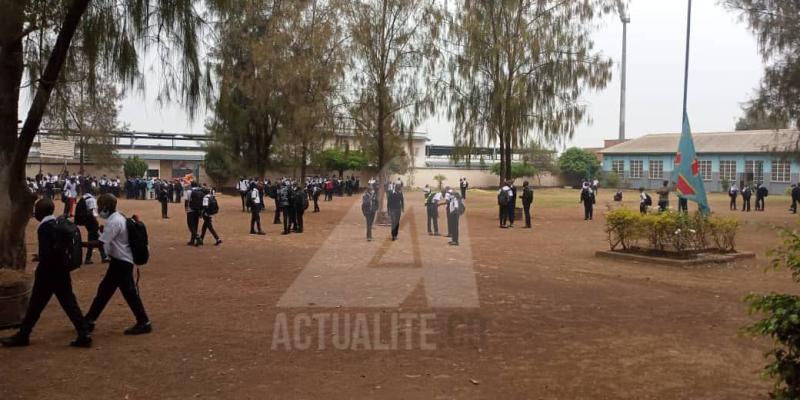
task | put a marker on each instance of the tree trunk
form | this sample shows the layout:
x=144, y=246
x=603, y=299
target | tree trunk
x=15, y=200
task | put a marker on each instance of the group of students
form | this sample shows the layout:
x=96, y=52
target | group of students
x=200, y=202
x=59, y=245
x=746, y=192
x=291, y=202
x=446, y=197
x=507, y=203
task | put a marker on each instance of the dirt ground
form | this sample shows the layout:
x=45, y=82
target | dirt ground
x=551, y=321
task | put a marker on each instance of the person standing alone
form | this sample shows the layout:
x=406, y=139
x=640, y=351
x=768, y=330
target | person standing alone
x=527, y=200
x=369, y=206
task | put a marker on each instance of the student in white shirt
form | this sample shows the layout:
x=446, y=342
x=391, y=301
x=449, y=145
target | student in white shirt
x=114, y=240
x=454, y=212
x=256, y=205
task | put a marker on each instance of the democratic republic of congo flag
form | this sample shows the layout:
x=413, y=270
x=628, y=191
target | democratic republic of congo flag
x=686, y=172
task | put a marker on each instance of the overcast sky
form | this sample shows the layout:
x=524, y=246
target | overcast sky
x=725, y=68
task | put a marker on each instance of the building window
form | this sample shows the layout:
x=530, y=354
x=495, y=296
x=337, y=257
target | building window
x=656, y=169
x=780, y=171
x=727, y=170
x=636, y=169
x=618, y=167
x=705, y=169
x=754, y=169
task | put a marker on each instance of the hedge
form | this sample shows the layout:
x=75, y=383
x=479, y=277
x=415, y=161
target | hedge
x=670, y=231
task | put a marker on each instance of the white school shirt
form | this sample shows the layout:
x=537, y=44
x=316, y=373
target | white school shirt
x=91, y=204
x=254, y=195
x=72, y=189
x=453, y=204
x=437, y=197
x=115, y=238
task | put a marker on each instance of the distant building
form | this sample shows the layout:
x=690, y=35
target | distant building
x=743, y=156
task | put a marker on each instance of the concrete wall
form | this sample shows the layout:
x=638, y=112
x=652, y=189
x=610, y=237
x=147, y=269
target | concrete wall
x=419, y=177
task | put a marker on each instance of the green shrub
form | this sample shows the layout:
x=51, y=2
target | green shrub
x=670, y=231
x=723, y=231
x=781, y=322
x=622, y=228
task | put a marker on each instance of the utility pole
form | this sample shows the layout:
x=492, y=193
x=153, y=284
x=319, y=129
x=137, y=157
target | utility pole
x=625, y=21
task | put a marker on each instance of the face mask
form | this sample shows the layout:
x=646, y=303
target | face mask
x=104, y=214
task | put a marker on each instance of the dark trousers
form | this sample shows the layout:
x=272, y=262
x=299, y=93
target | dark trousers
x=277, y=219
x=93, y=234
x=45, y=285
x=588, y=210
x=503, y=216
x=288, y=219
x=255, y=219
x=683, y=205
x=759, y=203
x=370, y=220
x=642, y=208
x=298, y=220
x=511, y=210
x=119, y=275
x=733, y=202
x=463, y=193
x=395, y=216
x=746, y=204
x=208, y=225
x=526, y=208
x=433, y=218
x=243, y=195
x=164, y=208
x=316, y=205
x=663, y=205
x=193, y=221
x=452, y=226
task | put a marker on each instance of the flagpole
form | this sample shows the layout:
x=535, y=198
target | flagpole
x=686, y=67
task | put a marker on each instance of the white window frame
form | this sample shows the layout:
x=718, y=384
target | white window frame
x=618, y=167
x=725, y=173
x=651, y=170
x=786, y=171
x=637, y=174
x=703, y=166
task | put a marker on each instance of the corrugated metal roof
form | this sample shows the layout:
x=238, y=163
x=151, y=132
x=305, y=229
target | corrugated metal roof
x=763, y=141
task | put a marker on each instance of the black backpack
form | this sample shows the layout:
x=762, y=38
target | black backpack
x=648, y=201
x=213, y=206
x=68, y=244
x=137, y=239
x=196, y=200
x=81, y=212
x=303, y=200
x=284, y=197
x=503, y=198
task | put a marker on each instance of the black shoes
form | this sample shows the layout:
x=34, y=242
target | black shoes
x=82, y=341
x=139, y=329
x=17, y=340
x=218, y=242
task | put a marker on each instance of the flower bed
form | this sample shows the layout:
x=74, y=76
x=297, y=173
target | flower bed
x=670, y=234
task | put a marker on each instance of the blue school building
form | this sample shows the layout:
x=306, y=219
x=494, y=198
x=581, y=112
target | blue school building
x=768, y=157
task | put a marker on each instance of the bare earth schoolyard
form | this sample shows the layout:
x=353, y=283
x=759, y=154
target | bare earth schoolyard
x=551, y=322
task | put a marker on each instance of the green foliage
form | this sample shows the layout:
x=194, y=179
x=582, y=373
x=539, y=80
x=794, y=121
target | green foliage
x=775, y=24
x=781, y=322
x=134, y=167
x=518, y=170
x=218, y=164
x=519, y=70
x=726, y=184
x=334, y=159
x=440, y=178
x=576, y=164
x=611, y=180
x=670, y=231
